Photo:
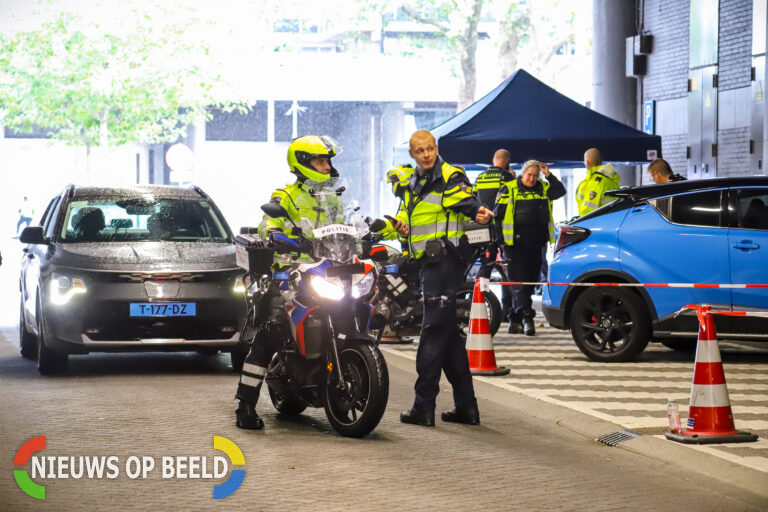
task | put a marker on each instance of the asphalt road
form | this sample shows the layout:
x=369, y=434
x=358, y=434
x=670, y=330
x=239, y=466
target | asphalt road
x=158, y=405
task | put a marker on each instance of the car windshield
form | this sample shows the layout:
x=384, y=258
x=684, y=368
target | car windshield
x=141, y=219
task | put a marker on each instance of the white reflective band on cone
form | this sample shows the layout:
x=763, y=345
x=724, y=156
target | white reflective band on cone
x=485, y=284
x=478, y=310
x=256, y=370
x=707, y=351
x=250, y=381
x=713, y=395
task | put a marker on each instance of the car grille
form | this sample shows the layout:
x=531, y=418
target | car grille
x=140, y=277
x=214, y=320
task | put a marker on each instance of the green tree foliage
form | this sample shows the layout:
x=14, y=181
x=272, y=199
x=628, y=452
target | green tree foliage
x=99, y=84
x=454, y=23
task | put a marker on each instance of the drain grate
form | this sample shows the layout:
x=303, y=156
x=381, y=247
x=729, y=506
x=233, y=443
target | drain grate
x=614, y=438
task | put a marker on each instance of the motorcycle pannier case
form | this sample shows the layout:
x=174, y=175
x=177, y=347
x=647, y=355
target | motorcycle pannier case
x=253, y=254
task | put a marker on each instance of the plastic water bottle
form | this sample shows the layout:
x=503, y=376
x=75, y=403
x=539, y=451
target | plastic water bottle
x=673, y=414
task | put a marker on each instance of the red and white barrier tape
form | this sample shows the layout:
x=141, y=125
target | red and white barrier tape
x=704, y=308
x=485, y=282
x=639, y=285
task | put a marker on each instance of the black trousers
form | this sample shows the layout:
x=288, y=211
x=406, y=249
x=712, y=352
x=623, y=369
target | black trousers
x=273, y=327
x=523, y=264
x=442, y=346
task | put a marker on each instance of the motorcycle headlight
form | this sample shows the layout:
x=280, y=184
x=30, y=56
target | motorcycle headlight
x=63, y=288
x=363, y=286
x=327, y=289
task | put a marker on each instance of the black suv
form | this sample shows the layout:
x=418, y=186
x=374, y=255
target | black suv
x=134, y=268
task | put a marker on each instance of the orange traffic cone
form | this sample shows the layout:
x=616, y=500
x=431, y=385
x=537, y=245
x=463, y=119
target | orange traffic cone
x=710, y=419
x=482, y=360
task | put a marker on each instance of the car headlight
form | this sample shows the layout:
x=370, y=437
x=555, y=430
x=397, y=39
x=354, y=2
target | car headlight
x=327, y=289
x=363, y=286
x=63, y=288
x=240, y=286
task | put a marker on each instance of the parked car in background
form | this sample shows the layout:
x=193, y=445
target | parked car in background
x=703, y=232
x=134, y=268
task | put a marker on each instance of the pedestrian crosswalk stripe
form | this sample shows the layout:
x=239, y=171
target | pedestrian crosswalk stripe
x=632, y=394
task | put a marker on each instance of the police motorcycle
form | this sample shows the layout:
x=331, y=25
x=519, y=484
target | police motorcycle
x=400, y=303
x=326, y=286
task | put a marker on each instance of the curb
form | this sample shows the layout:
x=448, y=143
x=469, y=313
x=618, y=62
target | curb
x=753, y=482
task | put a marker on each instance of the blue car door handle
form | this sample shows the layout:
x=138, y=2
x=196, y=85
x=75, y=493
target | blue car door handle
x=746, y=245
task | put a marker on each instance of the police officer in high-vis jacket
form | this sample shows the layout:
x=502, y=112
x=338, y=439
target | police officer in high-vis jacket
x=486, y=188
x=309, y=158
x=436, y=202
x=524, y=215
x=601, y=178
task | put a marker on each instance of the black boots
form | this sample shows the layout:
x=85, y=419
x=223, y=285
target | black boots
x=467, y=416
x=515, y=328
x=247, y=417
x=416, y=417
x=529, y=328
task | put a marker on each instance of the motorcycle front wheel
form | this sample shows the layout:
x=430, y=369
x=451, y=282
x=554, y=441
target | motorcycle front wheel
x=355, y=407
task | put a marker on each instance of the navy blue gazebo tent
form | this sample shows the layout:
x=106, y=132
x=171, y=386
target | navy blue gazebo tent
x=532, y=120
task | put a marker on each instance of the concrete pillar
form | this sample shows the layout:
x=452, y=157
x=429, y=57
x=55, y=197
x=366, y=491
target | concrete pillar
x=765, y=108
x=614, y=94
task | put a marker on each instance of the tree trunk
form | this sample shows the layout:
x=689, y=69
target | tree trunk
x=87, y=163
x=468, y=58
x=510, y=41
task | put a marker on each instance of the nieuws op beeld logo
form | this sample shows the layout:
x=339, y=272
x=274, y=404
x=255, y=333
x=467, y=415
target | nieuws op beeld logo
x=134, y=467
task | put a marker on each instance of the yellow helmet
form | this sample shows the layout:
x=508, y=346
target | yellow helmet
x=304, y=149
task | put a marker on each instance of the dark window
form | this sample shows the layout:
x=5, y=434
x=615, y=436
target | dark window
x=751, y=208
x=697, y=209
x=50, y=223
x=248, y=127
x=284, y=121
x=47, y=212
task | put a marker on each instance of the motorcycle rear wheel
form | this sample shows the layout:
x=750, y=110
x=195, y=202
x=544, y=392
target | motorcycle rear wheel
x=356, y=408
x=464, y=306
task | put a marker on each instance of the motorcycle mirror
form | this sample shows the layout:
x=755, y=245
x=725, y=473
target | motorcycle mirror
x=274, y=210
x=377, y=225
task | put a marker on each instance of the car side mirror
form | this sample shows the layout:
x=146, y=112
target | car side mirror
x=33, y=235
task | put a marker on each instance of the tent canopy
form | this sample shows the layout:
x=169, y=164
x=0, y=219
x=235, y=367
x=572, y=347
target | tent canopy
x=532, y=120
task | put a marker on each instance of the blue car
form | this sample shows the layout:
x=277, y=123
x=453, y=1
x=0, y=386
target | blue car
x=689, y=232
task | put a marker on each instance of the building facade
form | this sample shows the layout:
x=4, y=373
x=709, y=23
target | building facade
x=698, y=72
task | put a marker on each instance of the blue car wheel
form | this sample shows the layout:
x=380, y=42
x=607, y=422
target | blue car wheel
x=610, y=324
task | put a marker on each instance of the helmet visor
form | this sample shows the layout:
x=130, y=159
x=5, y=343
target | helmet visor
x=334, y=147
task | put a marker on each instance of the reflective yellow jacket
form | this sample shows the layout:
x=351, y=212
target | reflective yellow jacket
x=590, y=192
